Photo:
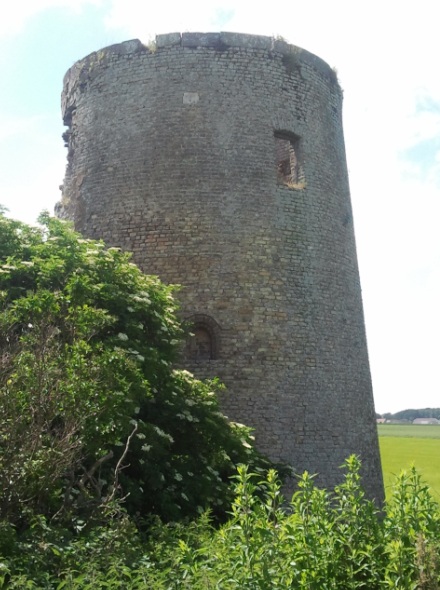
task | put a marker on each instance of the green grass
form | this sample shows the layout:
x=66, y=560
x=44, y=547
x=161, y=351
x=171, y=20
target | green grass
x=409, y=430
x=404, y=445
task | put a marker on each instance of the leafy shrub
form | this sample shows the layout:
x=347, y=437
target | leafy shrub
x=92, y=409
x=103, y=443
x=320, y=540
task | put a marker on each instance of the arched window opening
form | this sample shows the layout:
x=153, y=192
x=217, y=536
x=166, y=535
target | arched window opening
x=202, y=343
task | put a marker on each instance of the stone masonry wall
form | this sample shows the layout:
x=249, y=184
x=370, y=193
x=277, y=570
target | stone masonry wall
x=173, y=156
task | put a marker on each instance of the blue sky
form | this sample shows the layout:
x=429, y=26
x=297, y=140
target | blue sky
x=386, y=55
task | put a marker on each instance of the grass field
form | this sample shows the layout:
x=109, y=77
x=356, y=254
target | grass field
x=404, y=445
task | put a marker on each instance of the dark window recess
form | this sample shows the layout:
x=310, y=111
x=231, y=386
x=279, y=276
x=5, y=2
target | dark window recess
x=199, y=347
x=288, y=165
x=203, y=342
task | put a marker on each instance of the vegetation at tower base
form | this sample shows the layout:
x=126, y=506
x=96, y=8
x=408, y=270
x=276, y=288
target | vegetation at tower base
x=325, y=541
x=93, y=413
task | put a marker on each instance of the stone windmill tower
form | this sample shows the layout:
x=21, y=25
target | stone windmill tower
x=219, y=161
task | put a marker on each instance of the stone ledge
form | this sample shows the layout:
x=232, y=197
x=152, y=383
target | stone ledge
x=168, y=40
x=201, y=40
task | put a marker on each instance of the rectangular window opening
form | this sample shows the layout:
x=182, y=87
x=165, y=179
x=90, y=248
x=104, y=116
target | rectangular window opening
x=288, y=163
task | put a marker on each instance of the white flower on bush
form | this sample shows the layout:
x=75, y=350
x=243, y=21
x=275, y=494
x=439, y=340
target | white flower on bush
x=163, y=434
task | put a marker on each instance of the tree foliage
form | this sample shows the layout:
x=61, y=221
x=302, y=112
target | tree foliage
x=93, y=411
x=411, y=415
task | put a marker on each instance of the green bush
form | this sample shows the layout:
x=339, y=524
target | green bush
x=320, y=540
x=93, y=411
x=115, y=467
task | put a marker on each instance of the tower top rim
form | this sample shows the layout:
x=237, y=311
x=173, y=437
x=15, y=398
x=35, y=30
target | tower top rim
x=217, y=41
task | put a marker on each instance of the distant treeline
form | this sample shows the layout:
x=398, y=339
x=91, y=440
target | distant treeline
x=412, y=414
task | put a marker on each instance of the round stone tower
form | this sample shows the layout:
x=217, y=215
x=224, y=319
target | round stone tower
x=219, y=161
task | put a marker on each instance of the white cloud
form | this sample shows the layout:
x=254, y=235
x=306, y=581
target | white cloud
x=15, y=15
x=32, y=166
x=421, y=126
x=35, y=191
x=145, y=19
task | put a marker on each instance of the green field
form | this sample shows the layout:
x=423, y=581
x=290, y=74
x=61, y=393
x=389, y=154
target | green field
x=402, y=446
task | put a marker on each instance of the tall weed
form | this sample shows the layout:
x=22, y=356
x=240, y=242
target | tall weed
x=319, y=540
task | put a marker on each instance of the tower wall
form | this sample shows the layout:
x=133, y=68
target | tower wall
x=219, y=161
